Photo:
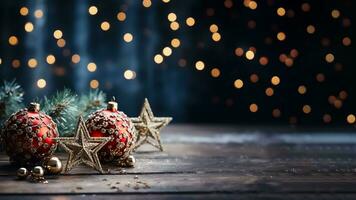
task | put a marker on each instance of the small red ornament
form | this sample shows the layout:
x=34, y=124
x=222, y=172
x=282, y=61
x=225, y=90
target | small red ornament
x=29, y=136
x=112, y=123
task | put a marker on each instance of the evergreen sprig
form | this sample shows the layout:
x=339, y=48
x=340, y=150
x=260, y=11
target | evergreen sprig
x=92, y=101
x=11, y=99
x=63, y=109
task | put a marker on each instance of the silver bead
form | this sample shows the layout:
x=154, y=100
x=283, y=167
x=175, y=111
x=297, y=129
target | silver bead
x=53, y=165
x=130, y=161
x=22, y=173
x=37, y=172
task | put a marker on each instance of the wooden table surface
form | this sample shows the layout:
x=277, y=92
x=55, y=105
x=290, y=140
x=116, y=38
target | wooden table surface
x=213, y=162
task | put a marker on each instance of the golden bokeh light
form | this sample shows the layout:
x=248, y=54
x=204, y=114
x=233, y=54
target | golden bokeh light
x=93, y=10
x=215, y=72
x=329, y=58
x=213, y=28
x=335, y=13
x=351, y=118
x=38, y=13
x=281, y=11
x=306, y=109
x=250, y=55
x=254, y=78
x=32, y=63
x=216, y=37
x=310, y=29
x=57, y=34
x=41, y=83
x=94, y=84
x=302, y=89
x=253, y=107
x=263, y=60
x=61, y=42
x=172, y=17
x=105, y=26
x=167, y=51
x=252, y=5
x=174, y=26
x=175, y=42
x=29, y=27
x=166, y=1
x=121, y=16
x=158, y=58
x=239, y=51
x=346, y=41
x=13, y=40
x=50, y=59
x=129, y=74
x=190, y=21
x=281, y=36
x=16, y=63
x=146, y=3
x=91, y=67
x=75, y=58
x=269, y=91
x=128, y=37
x=199, y=65
x=275, y=80
x=238, y=83
x=23, y=11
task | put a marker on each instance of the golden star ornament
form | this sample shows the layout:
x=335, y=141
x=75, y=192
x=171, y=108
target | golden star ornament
x=82, y=148
x=148, y=127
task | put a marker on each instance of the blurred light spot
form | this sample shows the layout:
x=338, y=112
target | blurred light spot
x=351, y=118
x=199, y=65
x=121, y=16
x=253, y=107
x=310, y=29
x=61, y=42
x=174, y=26
x=93, y=10
x=28, y=27
x=239, y=51
x=94, y=84
x=146, y=3
x=228, y=3
x=305, y=7
x=335, y=13
x=306, y=109
x=128, y=37
x=75, y=58
x=105, y=26
x=172, y=17
x=158, y=58
x=281, y=36
x=329, y=57
x=250, y=55
x=346, y=41
x=13, y=40
x=91, y=67
x=24, y=11
x=269, y=91
x=175, y=42
x=263, y=60
x=338, y=103
x=129, y=74
x=182, y=62
x=276, y=113
x=281, y=11
x=0, y=61
x=16, y=63
x=213, y=28
x=215, y=72
x=302, y=89
x=238, y=83
x=216, y=37
x=166, y=1
x=41, y=83
x=327, y=118
x=275, y=80
x=190, y=21
x=254, y=78
x=320, y=77
x=32, y=63
x=252, y=5
x=343, y=95
x=57, y=34
x=38, y=13
x=50, y=59
x=167, y=51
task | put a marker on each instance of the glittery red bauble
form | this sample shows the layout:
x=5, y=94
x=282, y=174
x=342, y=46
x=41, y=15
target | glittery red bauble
x=115, y=124
x=28, y=136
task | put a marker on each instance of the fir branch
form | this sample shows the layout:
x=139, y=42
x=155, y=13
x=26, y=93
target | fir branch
x=11, y=99
x=94, y=100
x=63, y=109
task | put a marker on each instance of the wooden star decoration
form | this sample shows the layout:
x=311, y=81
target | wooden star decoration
x=82, y=148
x=148, y=127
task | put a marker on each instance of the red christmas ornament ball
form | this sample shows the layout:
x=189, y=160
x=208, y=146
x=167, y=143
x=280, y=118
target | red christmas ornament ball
x=115, y=124
x=29, y=136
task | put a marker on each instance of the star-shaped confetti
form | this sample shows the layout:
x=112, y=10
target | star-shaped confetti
x=148, y=127
x=82, y=148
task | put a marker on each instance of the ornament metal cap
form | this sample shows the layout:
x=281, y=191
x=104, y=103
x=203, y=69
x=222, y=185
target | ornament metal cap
x=34, y=107
x=112, y=105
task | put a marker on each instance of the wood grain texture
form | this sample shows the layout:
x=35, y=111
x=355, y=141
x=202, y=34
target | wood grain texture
x=248, y=166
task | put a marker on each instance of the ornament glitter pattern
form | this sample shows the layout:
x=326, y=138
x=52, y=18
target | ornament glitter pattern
x=29, y=136
x=115, y=124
